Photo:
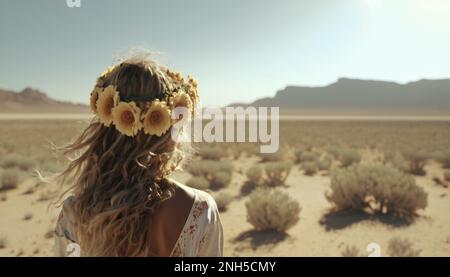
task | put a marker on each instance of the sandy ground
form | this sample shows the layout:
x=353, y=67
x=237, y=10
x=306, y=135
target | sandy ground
x=318, y=233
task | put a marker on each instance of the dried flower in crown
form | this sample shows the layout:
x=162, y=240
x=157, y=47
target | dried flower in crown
x=155, y=118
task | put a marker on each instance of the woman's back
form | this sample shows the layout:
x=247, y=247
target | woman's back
x=186, y=225
x=123, y=203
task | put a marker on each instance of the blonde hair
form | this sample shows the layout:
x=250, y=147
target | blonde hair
x=119, y=181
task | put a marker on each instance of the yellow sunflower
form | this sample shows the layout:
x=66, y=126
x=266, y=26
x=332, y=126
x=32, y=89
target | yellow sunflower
x=94, y=97
x=192, y=81
x=157, y=118
x=181, y=99
x=108, y=99
x=126, y=117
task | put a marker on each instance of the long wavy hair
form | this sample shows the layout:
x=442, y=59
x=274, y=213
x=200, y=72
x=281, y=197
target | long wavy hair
x=118, y=181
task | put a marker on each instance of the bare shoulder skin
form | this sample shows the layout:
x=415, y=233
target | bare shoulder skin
x=169, y=220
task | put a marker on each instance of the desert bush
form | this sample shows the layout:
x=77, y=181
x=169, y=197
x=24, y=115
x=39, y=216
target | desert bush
x=351, y=251
x=222, y=201
x=272, y=209
x=334, y=152
x=447, y=175
x=324, y=164
x=207, y=168
x=17, y=161
x=276, y=173
x=310, y=168
x=9, y=179
x=348, y=157
x=444, y=159
x=398, y=247
x=27, y=216
x=298, y=155
x=377, y=188
x=3, y=242
x=211, y=153
x=417, y=161
x=220, y=179
x=254, y=175
x=198, y=182
x=278, y=156
x=397, y=161
x=307, y=156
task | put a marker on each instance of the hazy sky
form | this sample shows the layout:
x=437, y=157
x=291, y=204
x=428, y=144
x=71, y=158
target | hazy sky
x=239, y=50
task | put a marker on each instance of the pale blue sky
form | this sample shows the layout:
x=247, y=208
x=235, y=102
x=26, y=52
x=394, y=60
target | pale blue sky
x=240, y=50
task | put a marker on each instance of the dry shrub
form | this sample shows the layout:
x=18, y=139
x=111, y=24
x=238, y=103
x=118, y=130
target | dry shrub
x=307, y=156
x=397, y=160
x=3, y=242
x=447, y=175
x=272, y=210
x=310, y=168
x=398, y=247
x=9, y=179
x=417, y=161
x=254, y=175
x=444, y=159
x=276, y=173
x=218, y=173
x=27, y=216
x=377, y=189
x=198, y=182
x=324, y=164
x=280, y=155
x=351, y=251
x=348, y=157
x=211, y=153
x=220, y=179
x=17, y=161
x=223, y=199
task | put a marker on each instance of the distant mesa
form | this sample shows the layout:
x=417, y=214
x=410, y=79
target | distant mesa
x=31, y=100
x=363, y=97
x=344, y=97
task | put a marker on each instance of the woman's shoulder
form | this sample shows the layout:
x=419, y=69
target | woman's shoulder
x=202, y=200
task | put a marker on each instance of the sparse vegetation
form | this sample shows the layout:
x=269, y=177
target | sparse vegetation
x=254, y=175
x=220, y=179
x=17, y=161
x=218, y=173
x=27, y=216
x=198, y=182
x=444, y=159
x=417, y=161
x=310, y=168
x=9, y=179
x=351, y=251
x=307, y=156
x=398, y=247
x=3, y=242
x=447, y=175
x=348, y=157
x=211, y=153
x=324, y=164
x=272, y=209
x=276, y=173
x=222, y=200
x=376, y=188
x=280, y=155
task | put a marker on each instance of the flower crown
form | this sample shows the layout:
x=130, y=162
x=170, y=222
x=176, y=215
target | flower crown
x=150, y=114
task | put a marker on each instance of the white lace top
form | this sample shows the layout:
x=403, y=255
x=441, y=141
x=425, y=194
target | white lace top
x=201, y=236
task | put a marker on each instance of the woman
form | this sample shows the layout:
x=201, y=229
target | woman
x=123, y=202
